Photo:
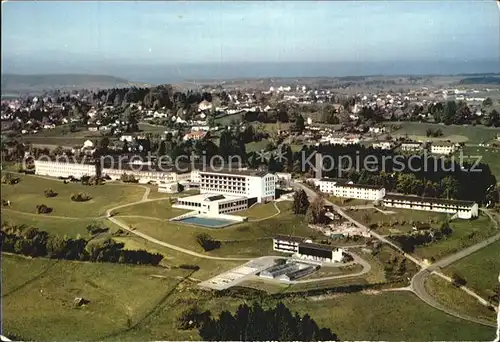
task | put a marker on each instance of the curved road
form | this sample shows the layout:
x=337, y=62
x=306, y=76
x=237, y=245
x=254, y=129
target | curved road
x=418, y=281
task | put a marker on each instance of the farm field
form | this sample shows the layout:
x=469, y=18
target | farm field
x=468, y=134
x=480, y=269
x=29, y=192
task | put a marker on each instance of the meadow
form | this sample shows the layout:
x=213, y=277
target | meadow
x=29, y=192
x=480, y=270
x=468, y=134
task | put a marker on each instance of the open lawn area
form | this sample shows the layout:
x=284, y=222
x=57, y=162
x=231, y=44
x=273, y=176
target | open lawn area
x=161, y=209
x=29, y=192
x=356, y=316
x=470, y=134
x=261, y=211
x=488, y=155
x=465, y=233
x=59, y=226
x=480, y=269
x=452, y=297
x=143, y=303
x=401, y=221
x=237, y=240
x=38, y=303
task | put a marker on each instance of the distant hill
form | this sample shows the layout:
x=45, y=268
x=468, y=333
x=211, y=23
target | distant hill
x=481, y=80
x=14, y=83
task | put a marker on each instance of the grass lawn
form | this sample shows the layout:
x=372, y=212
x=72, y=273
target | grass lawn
x=208, y=268
x=70, y=227
x=260, y=211
x=399, y=222
x=25, y=195
x=151, y=305
x=237, y=240
x=348, y=201
x=465, y=233
x=357, y=316
x=452, y=297
x=334, y=271
x=257, y=145
x=43, y=308
x=471, y=134
x=480, y=269
x=490, y=156
x=157, y=209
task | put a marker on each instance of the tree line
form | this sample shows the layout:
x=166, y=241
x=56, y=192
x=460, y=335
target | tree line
x=255, y=323
x=33, y=242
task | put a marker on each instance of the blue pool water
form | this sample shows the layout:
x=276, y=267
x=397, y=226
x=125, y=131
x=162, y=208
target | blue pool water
x=206, y=222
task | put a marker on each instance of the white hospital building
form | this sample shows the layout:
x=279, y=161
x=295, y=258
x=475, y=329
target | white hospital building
x=212, y=204
x=462, y=209
x=343, y=188
x=303, y=248
x=62, y=167
x=260, y=185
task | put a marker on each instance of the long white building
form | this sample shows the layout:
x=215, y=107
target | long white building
x=62, y=167
x=463, y=209
x=212, y=205
x=443, y=148
x=303, y=248
x=260, y=185
x=343, y=188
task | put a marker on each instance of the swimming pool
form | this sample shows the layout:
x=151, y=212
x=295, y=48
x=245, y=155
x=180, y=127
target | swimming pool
x=207, y=222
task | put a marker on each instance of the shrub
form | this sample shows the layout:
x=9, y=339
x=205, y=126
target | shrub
x=43, y=209
x=49, y=193
x=80, y=197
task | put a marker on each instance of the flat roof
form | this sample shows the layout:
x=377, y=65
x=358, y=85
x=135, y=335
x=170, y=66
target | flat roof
x=319, y=247
x=290, y=238
x=213, y=198
x=414, y=198
x=251, y=173
x=363, y=186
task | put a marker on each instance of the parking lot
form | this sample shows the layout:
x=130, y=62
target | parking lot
x=239, y=274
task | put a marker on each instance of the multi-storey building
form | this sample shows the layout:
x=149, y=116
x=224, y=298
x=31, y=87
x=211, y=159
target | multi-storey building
x=287, y=244
x=303, y=248
x=411, y=146
x=443, y=148
x=343, y=188
x=212, y=205
x=251, y=184
x=462, y=209
x=383, y=145
x=63, y=167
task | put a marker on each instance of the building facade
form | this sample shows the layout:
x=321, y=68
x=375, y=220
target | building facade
x=411, y=146
x=64, y=168
x=342, y=188
x=462, y=209
x=287, y=244
x=212, y=205
x=440, y=148
x=251, y=184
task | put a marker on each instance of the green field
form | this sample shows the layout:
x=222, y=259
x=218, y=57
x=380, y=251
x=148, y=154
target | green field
x=237, y=240
x=480, y=269
x=488, y=155
x=469, y=134
x=400, y=221
x=145, y=302
x=161, y=209
x=465, y=233
x=261, y=211
x=29, y=192
x=59, y=226
x=452, y=297
x=38, y=302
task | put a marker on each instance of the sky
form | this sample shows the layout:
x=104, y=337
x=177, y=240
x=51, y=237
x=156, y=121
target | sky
x=170, y=33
